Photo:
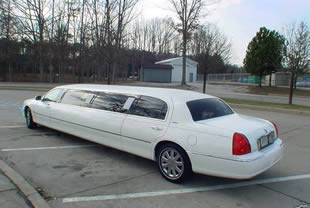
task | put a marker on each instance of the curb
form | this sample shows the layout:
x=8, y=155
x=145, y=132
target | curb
x=279, y=110
x=30, y=194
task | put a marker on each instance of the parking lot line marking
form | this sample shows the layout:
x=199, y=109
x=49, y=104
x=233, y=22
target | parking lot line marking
x=11, y=127
x=184, y=190
x=48, y=148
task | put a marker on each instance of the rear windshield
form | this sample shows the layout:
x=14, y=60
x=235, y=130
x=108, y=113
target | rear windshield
x=208, y=108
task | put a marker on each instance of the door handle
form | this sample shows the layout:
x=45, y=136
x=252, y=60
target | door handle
x=157, y=128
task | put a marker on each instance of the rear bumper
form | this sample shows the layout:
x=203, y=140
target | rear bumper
x=240, y=167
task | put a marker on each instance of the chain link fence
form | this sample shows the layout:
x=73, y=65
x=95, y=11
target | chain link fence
x=277, y=79
x=242, y=78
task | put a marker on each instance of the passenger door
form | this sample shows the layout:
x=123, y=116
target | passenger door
x=146, y=121
x=68, y=115
x=95, y=116
x=41, y=111
x=106, y=117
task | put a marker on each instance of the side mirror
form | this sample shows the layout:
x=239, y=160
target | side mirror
x=37, y=97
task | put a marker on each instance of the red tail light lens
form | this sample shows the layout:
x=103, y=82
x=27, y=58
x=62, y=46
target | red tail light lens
x=241, y=144
x=276, y=128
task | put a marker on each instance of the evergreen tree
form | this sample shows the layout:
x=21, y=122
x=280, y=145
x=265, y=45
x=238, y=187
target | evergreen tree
x=265, y=53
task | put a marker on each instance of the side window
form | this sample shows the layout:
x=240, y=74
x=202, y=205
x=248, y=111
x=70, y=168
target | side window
x=109, y=101
x=53, y=95
x=76, y=97
x=149, y=107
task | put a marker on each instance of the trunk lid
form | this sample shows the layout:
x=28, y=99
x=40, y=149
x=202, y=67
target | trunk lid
x=253, y=128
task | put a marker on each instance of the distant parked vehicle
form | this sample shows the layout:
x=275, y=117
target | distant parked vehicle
x=183, y=131
x=132, y=77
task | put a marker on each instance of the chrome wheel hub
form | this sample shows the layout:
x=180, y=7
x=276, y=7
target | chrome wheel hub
x=171, y=163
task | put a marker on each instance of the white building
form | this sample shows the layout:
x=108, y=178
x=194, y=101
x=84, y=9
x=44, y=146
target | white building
x=176, y=74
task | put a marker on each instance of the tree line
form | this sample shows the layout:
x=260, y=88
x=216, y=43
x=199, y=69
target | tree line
x=96, y=40
x=269, y=52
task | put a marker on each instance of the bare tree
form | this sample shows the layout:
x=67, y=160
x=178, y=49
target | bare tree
x=188, y=13
x=168, y=34
x=60, y=38
x=150, y=40
x=209, y=45
x=5, y=31
x=82, y=40
x=162, y=34
x=155, y=35
x=6, y=19
x=297, y=56
x=92, y=37
x=118, y=14
x=34, y=17
x=8, y=31
x=177, y=44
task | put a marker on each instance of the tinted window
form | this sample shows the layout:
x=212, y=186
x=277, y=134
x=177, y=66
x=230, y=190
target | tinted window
x=53, y=95
x=149, y=107
x=109, y=101
x=208, y=108
x=76, y=97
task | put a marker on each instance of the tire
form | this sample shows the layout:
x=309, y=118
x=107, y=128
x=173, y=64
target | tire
x=173, y=163
x=29, y=121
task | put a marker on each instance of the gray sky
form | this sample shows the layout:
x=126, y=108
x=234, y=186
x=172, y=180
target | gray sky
x=241, y=19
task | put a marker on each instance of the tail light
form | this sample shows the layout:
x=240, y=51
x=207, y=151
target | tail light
x=241, y=144
x=276, y=128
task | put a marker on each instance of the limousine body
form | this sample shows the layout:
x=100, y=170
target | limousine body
x=183, y=131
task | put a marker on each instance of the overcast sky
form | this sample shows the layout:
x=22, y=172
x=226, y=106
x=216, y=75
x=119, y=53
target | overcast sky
x=241, y=19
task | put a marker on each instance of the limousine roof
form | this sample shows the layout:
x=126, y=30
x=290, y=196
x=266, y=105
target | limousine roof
x=176, y=94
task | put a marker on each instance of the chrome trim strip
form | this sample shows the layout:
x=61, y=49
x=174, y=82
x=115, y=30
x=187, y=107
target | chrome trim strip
x=239, y=160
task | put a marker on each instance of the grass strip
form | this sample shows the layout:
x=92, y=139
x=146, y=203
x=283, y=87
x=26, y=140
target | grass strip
x=267, y=104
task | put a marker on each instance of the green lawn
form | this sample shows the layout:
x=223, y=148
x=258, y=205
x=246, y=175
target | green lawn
x=277, y=90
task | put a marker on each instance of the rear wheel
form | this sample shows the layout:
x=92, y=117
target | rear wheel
x=173, y=163
x=29, y=121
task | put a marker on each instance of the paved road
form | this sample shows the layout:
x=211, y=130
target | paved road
x=225, y=91
x=76, y=173
x=229, y=91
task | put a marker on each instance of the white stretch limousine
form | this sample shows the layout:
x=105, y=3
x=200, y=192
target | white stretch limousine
x=183, y=131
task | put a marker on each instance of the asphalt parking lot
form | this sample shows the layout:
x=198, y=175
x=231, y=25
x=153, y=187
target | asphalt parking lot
x=73, y=173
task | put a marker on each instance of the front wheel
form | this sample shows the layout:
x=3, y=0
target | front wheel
x=29, y=121
x=173, y=163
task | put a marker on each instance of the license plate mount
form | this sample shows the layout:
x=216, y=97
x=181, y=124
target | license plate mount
x=263, y=142
x=266, y=140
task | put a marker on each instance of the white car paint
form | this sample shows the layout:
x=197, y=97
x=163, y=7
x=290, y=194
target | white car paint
x=208, y=143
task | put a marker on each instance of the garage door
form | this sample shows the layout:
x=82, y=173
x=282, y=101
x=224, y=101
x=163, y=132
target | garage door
x=157, y=75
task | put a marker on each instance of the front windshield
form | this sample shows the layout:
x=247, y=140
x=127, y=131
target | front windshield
x=208, y=108
x=53, y=95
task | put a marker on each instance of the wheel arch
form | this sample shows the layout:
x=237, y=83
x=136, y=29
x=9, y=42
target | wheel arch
x=25, y=108
x=164, y=142
x=187, y=164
